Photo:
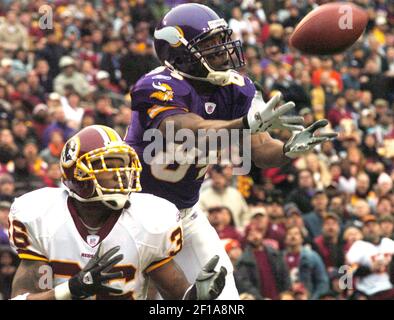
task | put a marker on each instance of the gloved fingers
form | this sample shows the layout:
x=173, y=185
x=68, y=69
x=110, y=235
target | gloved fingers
x=317, y=125
x=284, y=108
x=210, y=266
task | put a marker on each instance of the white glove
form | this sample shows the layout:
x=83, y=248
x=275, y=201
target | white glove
x=303, y=141
x=264, y=116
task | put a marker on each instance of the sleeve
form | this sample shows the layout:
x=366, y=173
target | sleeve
x=243, y=98
x=24, y=235
x=161, y=247
x=320, y=277
x=157, y=99
x=355, y=254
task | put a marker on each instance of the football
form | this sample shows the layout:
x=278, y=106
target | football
x=329, y=29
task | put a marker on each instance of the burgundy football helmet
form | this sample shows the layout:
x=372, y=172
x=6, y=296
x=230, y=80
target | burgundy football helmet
x=84, y=156
x=193, y=40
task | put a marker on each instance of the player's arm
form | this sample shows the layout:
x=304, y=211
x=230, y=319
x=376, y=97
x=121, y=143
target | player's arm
x=26, y=283
x=92, y=279
x=194, y=122
x=260, y=117
x=172, y=284
x=266, y=151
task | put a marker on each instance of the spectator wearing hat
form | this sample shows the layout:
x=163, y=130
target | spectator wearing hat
x=70, y=77
x=314, y=219
x=261, y=221
x=7, y=187
x=40, y=118
x=221, y=219
x=384, y=185
x=351, y=77
x=329, y=244
x=105, y=87
x=370, y=259
x=276, y=228
x=4, y=212
x=302, y=195
x=220, y=193
x=304, y=264
x=294, y=219
x=261, y=270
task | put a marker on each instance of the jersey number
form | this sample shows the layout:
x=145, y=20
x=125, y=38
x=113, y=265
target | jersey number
x=19, y=235
x=165, y=172
x=68, y=269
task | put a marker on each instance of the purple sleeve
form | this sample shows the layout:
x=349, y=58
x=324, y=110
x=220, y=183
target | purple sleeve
x=243, y=98
x=157, y=99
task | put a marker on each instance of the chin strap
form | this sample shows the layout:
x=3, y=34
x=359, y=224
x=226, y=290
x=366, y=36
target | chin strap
x=119, y=200
x=217, y=78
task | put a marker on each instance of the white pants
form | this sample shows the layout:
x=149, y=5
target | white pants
x=201, y=243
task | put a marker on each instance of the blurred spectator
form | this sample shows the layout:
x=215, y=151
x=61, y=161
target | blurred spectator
x=4, y=212
x=387, y=226
x=314, y=219
x=371, y=258
x=329, y=244
x=261, y=271
x=221, y=194
x=303, y=193
x=7, y=187
x=233, y=249
x=51, y=154
x=25, y=180
x=70, y=77
x=305, y=265
x=13, y=34
x=8, y=264
x=58, y=124
x=221, y=219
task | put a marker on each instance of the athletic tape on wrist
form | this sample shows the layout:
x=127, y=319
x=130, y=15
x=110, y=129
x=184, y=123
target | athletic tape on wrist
x=62, y=291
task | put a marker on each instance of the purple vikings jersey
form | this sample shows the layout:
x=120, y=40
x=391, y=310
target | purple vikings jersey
x=160, y=94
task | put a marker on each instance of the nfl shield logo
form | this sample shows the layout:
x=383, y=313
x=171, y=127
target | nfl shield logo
x=92, y=240
x=210, y=107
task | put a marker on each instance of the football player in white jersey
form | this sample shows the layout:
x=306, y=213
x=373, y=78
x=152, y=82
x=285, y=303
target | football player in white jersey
x=99, y=238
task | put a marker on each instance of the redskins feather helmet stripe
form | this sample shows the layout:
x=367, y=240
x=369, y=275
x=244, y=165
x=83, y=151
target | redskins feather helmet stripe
x=95, y=144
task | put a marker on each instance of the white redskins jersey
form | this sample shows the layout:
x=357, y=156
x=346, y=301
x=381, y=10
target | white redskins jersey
x=365, y=253
x=44, y=226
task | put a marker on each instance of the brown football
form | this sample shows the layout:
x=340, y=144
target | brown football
x=330, y=28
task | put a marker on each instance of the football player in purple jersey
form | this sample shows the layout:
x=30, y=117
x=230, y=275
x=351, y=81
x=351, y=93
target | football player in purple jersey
x=198, y=88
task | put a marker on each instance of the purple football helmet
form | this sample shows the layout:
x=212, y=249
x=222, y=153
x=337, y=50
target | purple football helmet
x=195, y=41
